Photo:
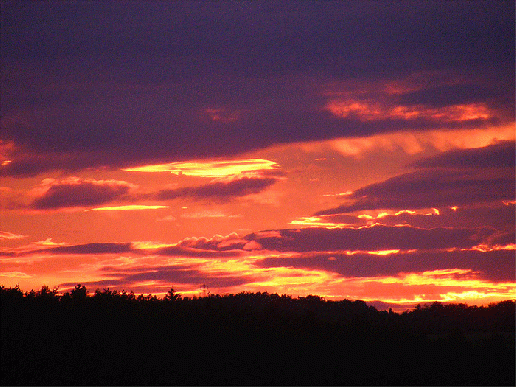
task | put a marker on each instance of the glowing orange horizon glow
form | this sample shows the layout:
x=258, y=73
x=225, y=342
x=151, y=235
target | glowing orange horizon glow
x=444, y=285
x=224, y=259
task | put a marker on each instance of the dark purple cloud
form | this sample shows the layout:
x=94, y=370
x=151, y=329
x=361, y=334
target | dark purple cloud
x=374, y=238
x=187, y=276
x=228, y=243
x=454, y=178
x=497, y=265
x=80, y=194
x=25, y=164
x=433, y=188
x=503, y=238
x=89, y=84
x=77, y=193
x=190, y=250
x=456, y=94
x=82, y=249
x=500, y=217
x=219, y=190
x=196, y=252
x=243, y=37
x=501, y=155
x=199, y=248
x=91, y=248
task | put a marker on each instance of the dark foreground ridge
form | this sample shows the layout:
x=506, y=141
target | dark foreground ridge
x=112, y=338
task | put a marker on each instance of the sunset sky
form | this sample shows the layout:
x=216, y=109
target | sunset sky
x=360, y=150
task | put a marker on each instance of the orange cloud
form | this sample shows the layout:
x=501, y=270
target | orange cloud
x=414, y=142
x=130, y=207
x=222, y=115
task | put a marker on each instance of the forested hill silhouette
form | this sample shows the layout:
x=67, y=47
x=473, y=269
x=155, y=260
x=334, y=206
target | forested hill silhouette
x=119, y=338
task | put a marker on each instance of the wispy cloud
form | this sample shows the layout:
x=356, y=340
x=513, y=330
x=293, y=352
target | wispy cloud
x=10, y=235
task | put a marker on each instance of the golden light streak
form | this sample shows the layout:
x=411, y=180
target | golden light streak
x=485, y=248
x=314, y=221
x=283, y=276
x=222, y=168
x=475, y=295
x=347, y=193
x=149, y=245
x=369, y=215
x=384, y=252
x=131, y=207
x=49, y=243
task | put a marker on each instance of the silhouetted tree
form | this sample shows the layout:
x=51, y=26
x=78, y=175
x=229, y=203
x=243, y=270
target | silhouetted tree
x=117, y=338
x=79, y=293
x=172, y=295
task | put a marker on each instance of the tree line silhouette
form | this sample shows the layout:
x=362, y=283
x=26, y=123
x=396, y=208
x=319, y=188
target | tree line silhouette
x=120, y=338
